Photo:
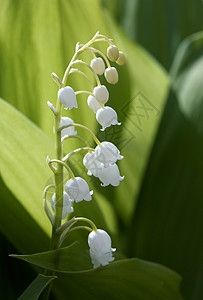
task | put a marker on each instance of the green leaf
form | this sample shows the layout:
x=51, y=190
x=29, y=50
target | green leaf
x=68, y=259
x=139, y=110
x=168, y=221
x=125, y=279
x=23, y=162
x=178, y=20
x=17, y=224
x=35, y=289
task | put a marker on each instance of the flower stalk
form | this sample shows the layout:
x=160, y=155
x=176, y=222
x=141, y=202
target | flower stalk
x=100, y=161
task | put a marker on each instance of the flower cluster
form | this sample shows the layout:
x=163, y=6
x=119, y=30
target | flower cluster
x=102, y=163
x=98, y=97
x=99, y=161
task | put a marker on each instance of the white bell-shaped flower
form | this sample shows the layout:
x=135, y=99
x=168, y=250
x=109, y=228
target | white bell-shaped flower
x=93, y=165
x=113, y=53
x=121, y=59
x=67, y=131
x=98, y=65
x=106, y=117
x=101, y=94
x=67, y=97
x=93, y=103
x=110, y=175
x=78, y=189
x=107, y=153
x=67, y=204
x=111, y=75
x=100, y=248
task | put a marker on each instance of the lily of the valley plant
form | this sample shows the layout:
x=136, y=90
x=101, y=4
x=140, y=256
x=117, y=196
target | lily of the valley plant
x=99, y=161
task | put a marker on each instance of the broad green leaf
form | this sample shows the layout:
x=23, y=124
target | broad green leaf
x=140, y=113
x=35, y=289
x=168, y=223
x=18, y=225
x=137, y=279
x=125, y=279
x=23, y=152
x=68, y=259
x=160, y=26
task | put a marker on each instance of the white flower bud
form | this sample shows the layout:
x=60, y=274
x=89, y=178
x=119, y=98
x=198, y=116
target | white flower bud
x=67, y=204
x=110, y=175
x=100, y=248
x=67, y=97
x=93, y=165
x=93, y=103
x=111, y=75
x=112, y=53
x=107, y=153
x=67, y=131
x=98, y=65
x=78, y=189
x=121, y=59
x=101, y=94
x=106, y=117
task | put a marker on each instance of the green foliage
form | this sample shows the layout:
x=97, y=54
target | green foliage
x=159, y=25
x=156, y=212
x=137, y=279
x=36, y=287
x=68, y=259
x=168, y=218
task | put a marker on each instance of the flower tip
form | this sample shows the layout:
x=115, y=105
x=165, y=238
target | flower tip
x=122, y=177
x=120, y=157
x=91, y=193
x=104, y=185
x=47, y=159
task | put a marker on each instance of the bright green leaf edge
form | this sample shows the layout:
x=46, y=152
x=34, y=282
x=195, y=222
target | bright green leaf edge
x=127, y=279
x=34, y=290
x=148, y=280
x=68, y=259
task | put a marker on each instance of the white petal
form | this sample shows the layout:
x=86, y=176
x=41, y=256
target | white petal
x=98, y=65
x=113, y=53
x=107, y=153
x=111, y=75
x=67, y=204
x=106, y=117
x=78, y=189
x=110, y=175
x=93, y=103
x=67, y=97
x=100, y=248
x=101, y=94
x=93, y=165
x=67, y=131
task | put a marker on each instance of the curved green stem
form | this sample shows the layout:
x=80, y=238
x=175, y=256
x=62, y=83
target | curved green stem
x=83, y=127
x=84, y=92
x=65, y=166
x=76, y=151
x=93, y=71
x=81, y=227
x=46, y=208
x=76, y=137
x=83, y=74
x=93, y=50
x=94, y=227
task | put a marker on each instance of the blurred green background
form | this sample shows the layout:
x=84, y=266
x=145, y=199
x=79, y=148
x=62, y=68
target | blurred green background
x=156, y=213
